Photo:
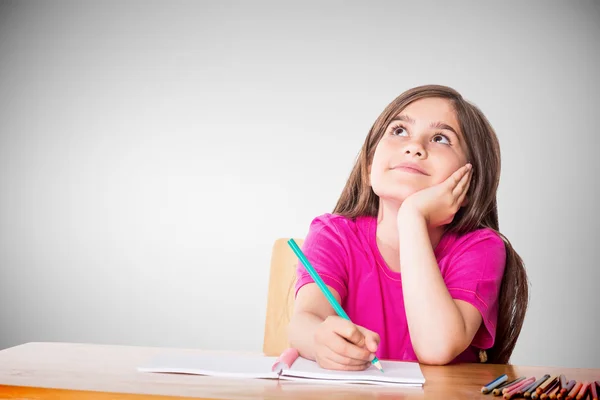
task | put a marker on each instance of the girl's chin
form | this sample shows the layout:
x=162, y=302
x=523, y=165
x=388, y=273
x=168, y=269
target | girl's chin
x=392, y=200
x=398, y=195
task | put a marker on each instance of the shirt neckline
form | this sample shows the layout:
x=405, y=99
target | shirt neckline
x=370, y=223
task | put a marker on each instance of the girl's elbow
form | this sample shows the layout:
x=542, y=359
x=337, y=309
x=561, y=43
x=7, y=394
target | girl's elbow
x=440, y=349
x=437, y=355
x=435, y=358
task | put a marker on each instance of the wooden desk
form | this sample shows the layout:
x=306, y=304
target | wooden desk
x=87, y=371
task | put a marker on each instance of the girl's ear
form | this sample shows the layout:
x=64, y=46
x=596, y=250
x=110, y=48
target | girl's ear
x=465, y=202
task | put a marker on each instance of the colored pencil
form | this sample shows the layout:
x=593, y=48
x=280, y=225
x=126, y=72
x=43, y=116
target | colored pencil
x=494, y=384
x=545, y=385
x=526, y=389
x=513, y=392
x=574, y=391
x=315, y=276
x=582, y=392
x=521, y=392
x=594, y=390
x=554, y=392
x=514, y=385
x=563, y=381
x=549, y=389
x=532, y=388
x=498, y=390
x=564, y=391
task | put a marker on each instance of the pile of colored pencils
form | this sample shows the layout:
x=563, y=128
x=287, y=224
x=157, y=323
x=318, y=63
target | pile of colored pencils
x=547, y=387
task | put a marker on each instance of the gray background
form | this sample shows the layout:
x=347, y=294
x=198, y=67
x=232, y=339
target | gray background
x=151, y=152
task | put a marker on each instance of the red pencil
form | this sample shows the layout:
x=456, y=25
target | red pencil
x=583, y=390
x=594, y=391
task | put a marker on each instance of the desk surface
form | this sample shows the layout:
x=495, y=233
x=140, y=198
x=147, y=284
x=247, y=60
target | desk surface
x=65, y=370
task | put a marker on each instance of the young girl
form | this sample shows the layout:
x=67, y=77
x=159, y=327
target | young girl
x=412, y=250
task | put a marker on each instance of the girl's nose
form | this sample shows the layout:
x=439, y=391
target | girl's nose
x=415, y=149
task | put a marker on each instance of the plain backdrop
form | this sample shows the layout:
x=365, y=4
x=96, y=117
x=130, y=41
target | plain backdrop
x=151, y=152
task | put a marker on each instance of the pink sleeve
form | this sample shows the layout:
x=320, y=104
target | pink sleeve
x=323, y=249
x=475, y=275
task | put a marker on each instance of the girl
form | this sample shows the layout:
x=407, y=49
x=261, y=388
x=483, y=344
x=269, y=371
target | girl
x=412, y=250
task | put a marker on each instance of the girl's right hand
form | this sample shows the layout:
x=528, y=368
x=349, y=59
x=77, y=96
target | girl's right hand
x=341, y=345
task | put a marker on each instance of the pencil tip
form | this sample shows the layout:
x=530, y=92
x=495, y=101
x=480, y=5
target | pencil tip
x=378, y=365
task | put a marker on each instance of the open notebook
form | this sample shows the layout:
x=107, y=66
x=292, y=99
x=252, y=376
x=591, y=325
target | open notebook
x=288, y=366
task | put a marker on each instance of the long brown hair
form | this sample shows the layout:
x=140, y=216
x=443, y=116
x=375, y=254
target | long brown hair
x=358, y=199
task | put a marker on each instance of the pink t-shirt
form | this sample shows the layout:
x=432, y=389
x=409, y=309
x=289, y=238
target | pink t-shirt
x=345, y=254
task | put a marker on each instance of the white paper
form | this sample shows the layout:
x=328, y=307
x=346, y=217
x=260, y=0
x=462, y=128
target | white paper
x=349, y=381
x=213, y=364
x=256, y=366
x=396, y=372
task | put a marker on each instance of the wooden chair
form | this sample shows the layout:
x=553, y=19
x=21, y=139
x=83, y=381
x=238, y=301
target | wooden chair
x=280, y=299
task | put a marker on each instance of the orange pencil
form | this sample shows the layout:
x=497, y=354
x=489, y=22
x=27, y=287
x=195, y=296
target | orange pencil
x=530, y=390
x=554, y=392
x=545, y=385
x=550, y=389
x=583, y=390
x=574, y=391
x=594, y=391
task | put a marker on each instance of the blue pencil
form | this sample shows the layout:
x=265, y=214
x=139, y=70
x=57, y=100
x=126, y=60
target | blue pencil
x=494, y=384
x=336, y=306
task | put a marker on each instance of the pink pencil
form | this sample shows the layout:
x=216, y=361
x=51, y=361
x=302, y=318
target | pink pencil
x=509, y=394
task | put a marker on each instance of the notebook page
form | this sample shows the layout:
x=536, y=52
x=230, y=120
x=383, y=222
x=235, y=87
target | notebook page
x=350, y=381
x=396, y=372
x=213, y=364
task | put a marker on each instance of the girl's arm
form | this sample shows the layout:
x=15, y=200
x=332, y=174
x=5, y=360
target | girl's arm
x=311, y=308
x=440, y=327
x=319, y=334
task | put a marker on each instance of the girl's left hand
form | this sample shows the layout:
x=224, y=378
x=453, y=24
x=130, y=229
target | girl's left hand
x=439, y=203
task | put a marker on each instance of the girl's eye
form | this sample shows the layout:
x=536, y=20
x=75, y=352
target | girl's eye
x=439, y=138
x=399, y=131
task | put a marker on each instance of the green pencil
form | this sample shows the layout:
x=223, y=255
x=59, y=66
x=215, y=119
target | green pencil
x=336, y=306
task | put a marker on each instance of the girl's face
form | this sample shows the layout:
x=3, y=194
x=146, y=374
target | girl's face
x=421, y=147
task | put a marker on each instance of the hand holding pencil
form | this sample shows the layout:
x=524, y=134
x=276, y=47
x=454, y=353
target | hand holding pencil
x=342, y=344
